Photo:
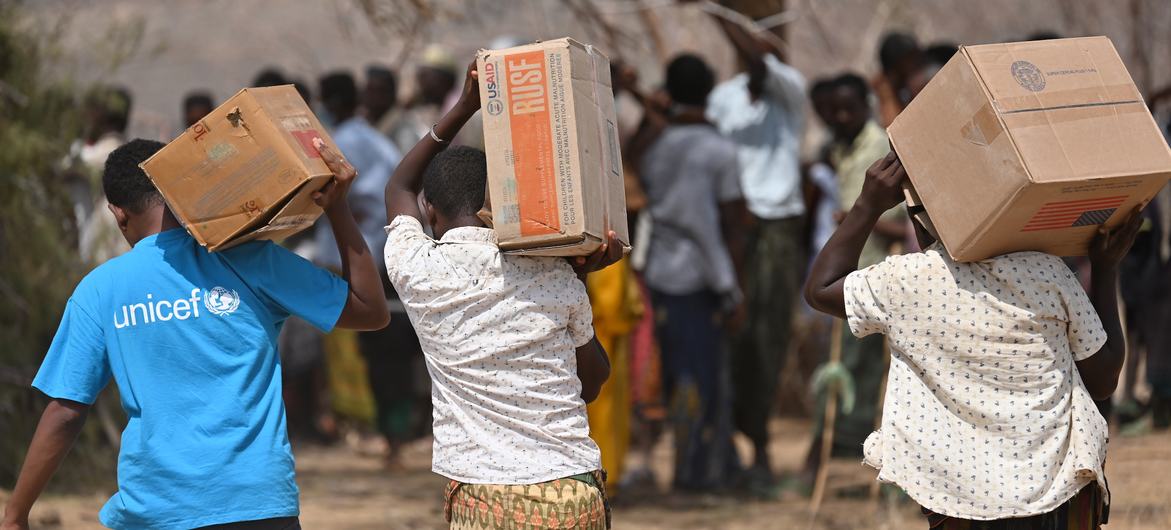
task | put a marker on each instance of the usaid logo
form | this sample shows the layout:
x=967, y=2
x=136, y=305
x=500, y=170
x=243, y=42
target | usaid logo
x=219, y=301
x=494, y=105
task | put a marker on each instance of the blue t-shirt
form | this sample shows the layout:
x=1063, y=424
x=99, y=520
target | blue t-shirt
x=190, y=338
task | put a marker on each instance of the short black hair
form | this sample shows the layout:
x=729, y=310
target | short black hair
x=303, y=89
x=854, y=82
x=1044, y=35
x=270, y=76
x=689, y=80
x=821, y=87
x=384, y=74
x=895, y=46
x=113, y=103
x=377, y=71
x=941, y=52
x=455, y=179
x=199, y=98
x=126, y=185
x=338, y=88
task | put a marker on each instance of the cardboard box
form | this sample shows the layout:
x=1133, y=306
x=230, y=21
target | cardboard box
x=246, y=171
x=1030, y=146
x=554, y=167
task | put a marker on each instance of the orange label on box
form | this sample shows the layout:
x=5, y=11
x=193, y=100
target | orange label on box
x=532, y=143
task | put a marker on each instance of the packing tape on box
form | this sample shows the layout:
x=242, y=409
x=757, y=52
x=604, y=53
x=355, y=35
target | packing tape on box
x=1051, y=116
x=985, y=126
x=602, y=145
x=1054, y=99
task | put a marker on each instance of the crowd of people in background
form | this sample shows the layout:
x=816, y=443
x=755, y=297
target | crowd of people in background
x=700, y=319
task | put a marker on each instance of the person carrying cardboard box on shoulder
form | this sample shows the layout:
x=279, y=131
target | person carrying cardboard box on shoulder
x=989, y=419
x=508, y=341
x=189, y=336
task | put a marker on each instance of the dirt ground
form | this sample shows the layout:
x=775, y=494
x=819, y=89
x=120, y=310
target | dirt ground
x=344, y=491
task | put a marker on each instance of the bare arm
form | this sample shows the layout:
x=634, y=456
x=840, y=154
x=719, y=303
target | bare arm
x=654, y=121
x=1100, y=371
x=593, y=366
x=365, y=307
x=748, y=49
x=58, y=429
x=593, y=369
x=839, y=257
x=402, y=191
x=733, y=218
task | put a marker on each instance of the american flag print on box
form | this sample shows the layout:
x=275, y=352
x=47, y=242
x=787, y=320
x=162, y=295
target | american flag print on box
x=1068, y=214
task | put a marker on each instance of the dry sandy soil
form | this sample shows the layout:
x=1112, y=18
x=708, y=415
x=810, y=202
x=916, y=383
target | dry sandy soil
x=344, y=491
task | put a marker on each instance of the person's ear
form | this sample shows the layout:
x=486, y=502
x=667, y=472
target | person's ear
x=428, y=211
x=120, y=216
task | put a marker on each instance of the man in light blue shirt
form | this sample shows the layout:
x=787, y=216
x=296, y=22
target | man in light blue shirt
x=763, y=111
x=372, y=155
x=189, y=336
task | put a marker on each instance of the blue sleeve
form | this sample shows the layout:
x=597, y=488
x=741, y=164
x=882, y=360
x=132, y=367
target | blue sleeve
x=291, y=284
x=76, y=367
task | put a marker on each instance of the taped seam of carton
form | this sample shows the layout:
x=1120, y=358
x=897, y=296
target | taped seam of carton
x=989, y=221
x=603, y=145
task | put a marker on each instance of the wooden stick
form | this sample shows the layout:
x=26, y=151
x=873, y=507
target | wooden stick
x=827, y=427
x=876, y=486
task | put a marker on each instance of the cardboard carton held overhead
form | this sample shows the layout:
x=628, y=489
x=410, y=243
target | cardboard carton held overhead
x=1030, y=146
x=246, y=171
x=554, y=168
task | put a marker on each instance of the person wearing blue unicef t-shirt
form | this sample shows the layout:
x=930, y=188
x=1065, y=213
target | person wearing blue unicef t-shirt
x=189, y=336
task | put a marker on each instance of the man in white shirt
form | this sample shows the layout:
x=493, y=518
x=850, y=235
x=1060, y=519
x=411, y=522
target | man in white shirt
x=763, y=111
x=508, y=341
x=989, y=412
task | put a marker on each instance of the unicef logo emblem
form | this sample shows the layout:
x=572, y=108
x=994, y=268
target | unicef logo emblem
x=495, y=107
x=221, y=301
x=1028, y=76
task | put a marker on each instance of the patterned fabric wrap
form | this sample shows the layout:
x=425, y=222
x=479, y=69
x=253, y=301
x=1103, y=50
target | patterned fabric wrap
x=1085, y=511
x=578, y=502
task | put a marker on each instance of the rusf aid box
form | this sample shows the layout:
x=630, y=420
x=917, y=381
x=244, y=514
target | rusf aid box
x=246, y=171
x=554, y=168
x=1030, y=146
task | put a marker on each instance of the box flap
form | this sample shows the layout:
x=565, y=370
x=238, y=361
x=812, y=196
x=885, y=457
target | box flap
x=293, y=213
x=1070, y=108
x=946, y=138
x=1025, y=76
x=296, y=123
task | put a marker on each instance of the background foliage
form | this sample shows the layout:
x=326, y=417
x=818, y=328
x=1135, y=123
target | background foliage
x=39, y=264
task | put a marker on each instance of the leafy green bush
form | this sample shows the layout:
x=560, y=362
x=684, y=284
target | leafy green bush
x=39, y=263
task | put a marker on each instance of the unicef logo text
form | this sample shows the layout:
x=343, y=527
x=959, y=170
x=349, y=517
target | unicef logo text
x=221, y=301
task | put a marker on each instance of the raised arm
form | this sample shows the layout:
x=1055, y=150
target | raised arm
x=654, y=121
x=402, y=191
x=365, y=307
x=839, y=257
x=58, y=429
x=1100, y=371
x=749, y=49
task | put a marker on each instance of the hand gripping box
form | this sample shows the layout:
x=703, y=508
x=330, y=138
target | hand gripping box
x=554, y=168
x=246, y=171
x=1030, y=146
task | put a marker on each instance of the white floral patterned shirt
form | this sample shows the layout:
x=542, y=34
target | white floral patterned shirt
x=499, y=335
x=985, y=415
